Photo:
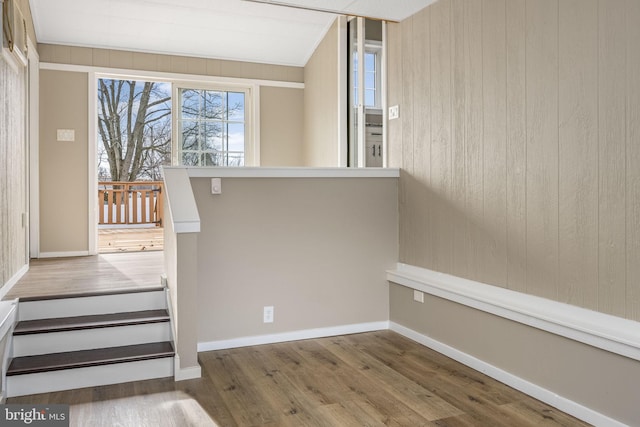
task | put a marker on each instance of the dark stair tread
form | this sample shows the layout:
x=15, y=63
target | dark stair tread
x=87, y=358
x=26, y=327
x=121, y=291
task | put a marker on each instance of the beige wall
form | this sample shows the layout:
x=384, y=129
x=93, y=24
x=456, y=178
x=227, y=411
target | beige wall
x=604, y=382
x=167, y=63
x=281, y=126
x=315, y=249
x=64, y=105
x=321, y=103
x=519, y=139
x=64, y=172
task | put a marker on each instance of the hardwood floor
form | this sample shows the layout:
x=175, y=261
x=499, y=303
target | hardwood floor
x=371, y=379
x=106, y=272
x=115, y=240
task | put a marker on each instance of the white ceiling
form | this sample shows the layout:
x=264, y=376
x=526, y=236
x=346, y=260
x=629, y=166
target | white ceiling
x=225, y=29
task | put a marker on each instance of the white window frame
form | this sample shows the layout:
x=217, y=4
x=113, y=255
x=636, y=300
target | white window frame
x=375, y=47
x=251, y=144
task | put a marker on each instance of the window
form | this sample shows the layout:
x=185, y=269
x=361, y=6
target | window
x=371, y=78
x=212, y=127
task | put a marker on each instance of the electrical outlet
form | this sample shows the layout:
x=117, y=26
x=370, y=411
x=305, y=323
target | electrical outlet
x=418, y=296
x=268, y=314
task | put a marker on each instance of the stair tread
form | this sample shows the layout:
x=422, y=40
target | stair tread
x=87, y=358
x=60, y=324
x=121, y=291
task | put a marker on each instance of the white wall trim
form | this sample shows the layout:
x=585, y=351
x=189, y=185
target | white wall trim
x=143, y=74
x=63, y=254
x=290, y=172
x=293, y=336
x=533, y=390
x=181, y=201
x=34, y=151
x=343, y=92
x=92, y=241
x=255, y=128
x=182, y=374
x=610, y=333
x=13, y=280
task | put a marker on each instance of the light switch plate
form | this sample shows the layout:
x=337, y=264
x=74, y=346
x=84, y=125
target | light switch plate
x=418, y=296
x=394, y=112
x=216, y=186
x=66, y=135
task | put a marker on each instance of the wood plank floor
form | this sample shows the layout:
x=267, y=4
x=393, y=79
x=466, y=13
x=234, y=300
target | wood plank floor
x=371, y=379
x=115, y=240
x=106, y=272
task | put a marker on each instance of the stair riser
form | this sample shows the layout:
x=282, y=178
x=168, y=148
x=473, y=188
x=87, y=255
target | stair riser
x=83, y=306
x=21, y=385
x=87, y=339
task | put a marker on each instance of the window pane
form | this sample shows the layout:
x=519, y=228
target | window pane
x=189, y=135
x=369, y=61
x=369, y=81
x=212, y=159
x=236, y=137
x=235, y=106
x=235, y=159
x=190, y=103
x=214, y=103
x=190, y=159
x=370, y=98
x=212, y=136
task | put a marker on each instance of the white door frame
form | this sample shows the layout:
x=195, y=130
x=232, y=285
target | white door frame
x=33, y=160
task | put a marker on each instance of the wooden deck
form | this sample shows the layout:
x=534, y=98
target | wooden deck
x=373, y=379
x=114, y=240
x=100, y=273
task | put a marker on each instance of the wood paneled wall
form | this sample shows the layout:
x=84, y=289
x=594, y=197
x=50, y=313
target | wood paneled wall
x=519, y=140
x=13, y=186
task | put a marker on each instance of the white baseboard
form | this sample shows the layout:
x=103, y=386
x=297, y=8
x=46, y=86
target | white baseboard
x=533, y=390
x=11, y=282
x=293, y=336
x=604, y=331
x=182, y=374
x=63, y=254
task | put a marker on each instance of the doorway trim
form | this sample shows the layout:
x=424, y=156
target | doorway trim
x=33, y=159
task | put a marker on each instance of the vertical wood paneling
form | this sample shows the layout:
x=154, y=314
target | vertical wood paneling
x=12, y=171
x=578, y=153
x=422, y=131
x=408, y=196
x=542, y=147
x=612, y=84
x=516, y=146
x=458, y=141
x=474, y=163
x=394, y=92
x=533, y=179
x=494, y=141
x=633, y=160
x=441, y=133
x=406, y=116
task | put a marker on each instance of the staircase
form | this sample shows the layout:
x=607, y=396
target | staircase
x=75, y=341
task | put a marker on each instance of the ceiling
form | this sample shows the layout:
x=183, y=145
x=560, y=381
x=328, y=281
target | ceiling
x=225, y=29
